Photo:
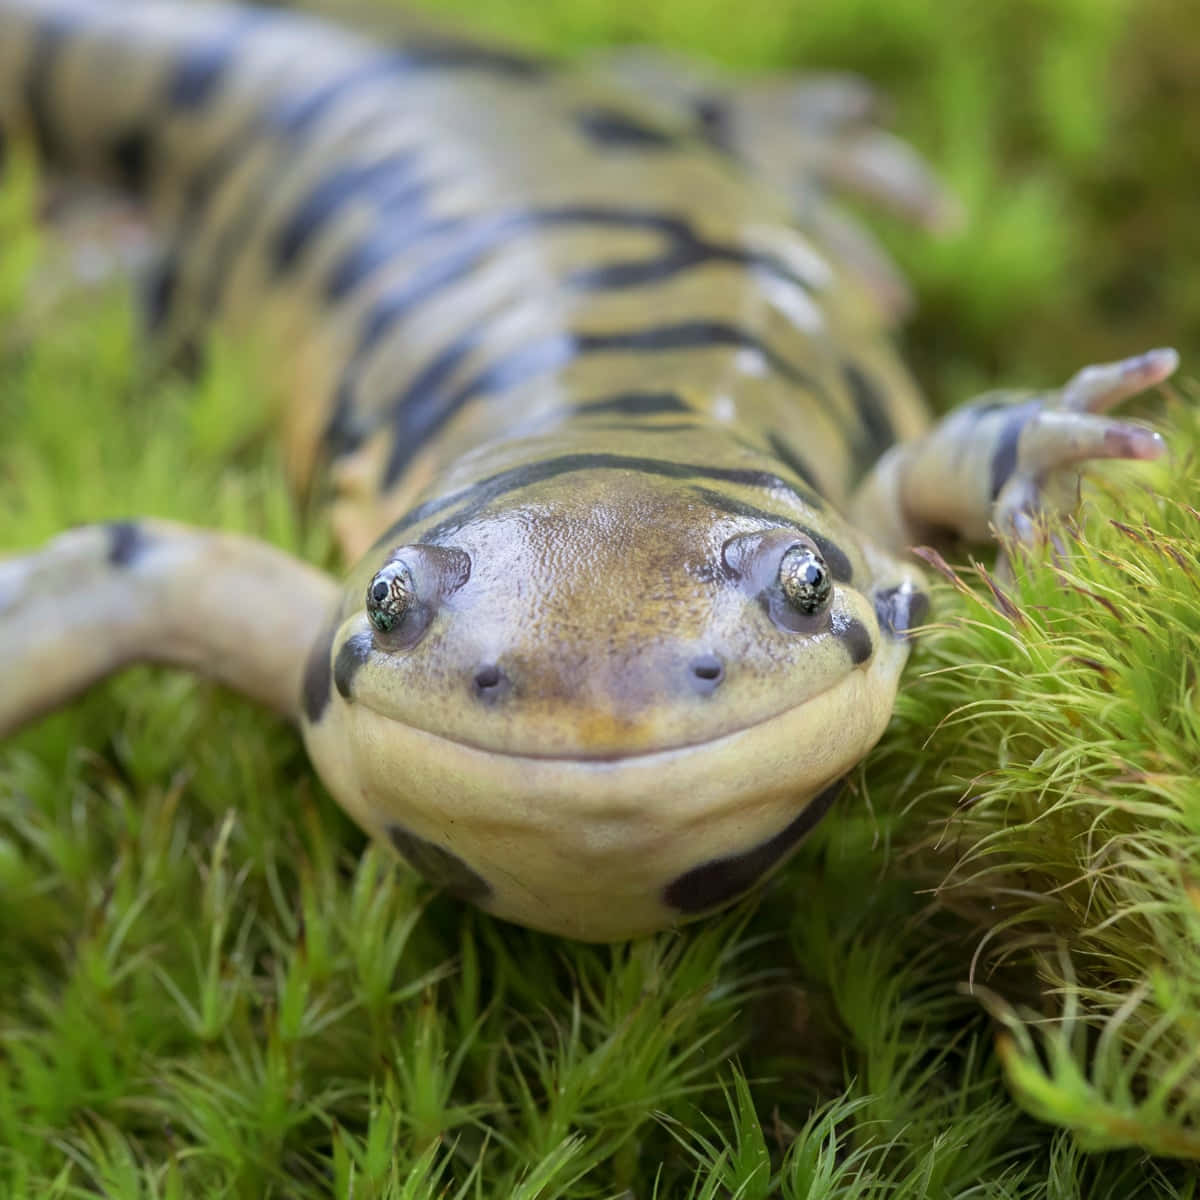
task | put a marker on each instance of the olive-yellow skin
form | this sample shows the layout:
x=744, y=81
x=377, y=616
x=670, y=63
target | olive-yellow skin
x=609, y=425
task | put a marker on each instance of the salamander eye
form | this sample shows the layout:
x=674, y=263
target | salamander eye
x=804, y=580
x=391, y=596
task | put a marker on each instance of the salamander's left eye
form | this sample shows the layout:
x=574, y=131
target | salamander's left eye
x=804, y=580
x=391, y=596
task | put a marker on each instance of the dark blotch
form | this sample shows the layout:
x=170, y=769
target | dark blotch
x=853, y=634
x=439, y=866
x=127, y=542
x=900, y=609
x=198, y=75
x=724, y=879
x=130, y=155
x=612, y=129
x=713, y=122
x=354, y=652
x=318, y=676
x=1004, y=457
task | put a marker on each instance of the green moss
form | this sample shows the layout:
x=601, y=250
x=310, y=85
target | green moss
x=211, y=986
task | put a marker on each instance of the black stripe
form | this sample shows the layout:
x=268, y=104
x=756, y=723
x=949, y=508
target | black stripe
x=631, y=404
x=477, y=497
x=724, y=879
x=644, y=427
x=380, y=248
x=422, y=409
x=640, y=272
x=294, y=118
x=611, y=129
x=792, y=461
x=877, y=432
x=835, y=557
x=442, y=53
x=691, y=335
x=351, y=655
x=237, y=231
x=684, y=251
x=296, y=115
x=389, y=184
x=1004, y=457
x=200, y=71
x=318, y=677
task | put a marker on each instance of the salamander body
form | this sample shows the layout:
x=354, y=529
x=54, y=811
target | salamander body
x=616, y=441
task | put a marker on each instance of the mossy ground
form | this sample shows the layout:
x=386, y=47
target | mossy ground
x=211, y=986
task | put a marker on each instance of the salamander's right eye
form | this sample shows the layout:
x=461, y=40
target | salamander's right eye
x=391, y=596
x=804, y=580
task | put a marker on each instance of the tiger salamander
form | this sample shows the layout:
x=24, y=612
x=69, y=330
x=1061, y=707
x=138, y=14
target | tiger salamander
x=606, y=417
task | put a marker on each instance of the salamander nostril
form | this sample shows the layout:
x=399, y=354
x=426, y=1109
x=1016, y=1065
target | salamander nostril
x=707, y=671
x=487, y=677
x=490, y=682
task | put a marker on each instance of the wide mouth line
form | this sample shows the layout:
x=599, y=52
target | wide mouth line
x=616, y=757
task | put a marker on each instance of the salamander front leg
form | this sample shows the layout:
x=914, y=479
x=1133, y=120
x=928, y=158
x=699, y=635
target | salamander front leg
x=101, y=597
x=998, y=461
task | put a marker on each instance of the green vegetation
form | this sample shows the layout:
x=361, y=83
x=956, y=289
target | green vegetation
x=981, y=978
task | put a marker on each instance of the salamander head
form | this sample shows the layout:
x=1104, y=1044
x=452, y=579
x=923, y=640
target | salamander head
x=593, y=671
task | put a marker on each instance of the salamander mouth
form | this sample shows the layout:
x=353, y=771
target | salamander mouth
x=607, y=751
x=610, y=757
